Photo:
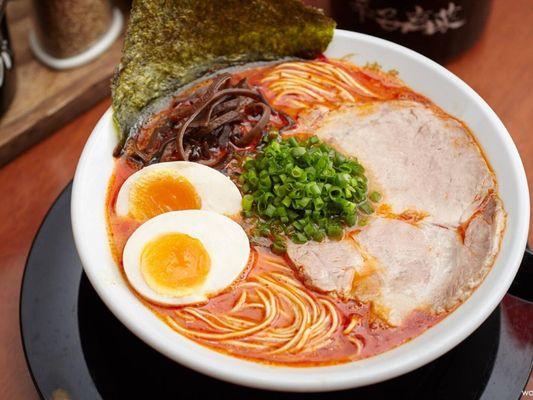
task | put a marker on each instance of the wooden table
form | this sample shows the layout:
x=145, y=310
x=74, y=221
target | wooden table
x=499, y=68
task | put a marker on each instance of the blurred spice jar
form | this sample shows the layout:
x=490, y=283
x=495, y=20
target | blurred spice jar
x=66, y=28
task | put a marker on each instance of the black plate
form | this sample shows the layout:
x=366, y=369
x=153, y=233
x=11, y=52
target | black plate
x=74, y=346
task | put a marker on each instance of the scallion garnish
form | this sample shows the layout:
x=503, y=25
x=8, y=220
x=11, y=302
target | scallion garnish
x=305, y=190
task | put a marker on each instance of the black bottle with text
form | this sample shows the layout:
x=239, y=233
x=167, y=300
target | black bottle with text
x=439, y=29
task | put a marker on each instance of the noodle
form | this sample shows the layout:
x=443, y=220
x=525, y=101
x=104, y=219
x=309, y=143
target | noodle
x=291, y=321
x=295, y=84
x=354, y=321
x=238, y=305
x=357, y=342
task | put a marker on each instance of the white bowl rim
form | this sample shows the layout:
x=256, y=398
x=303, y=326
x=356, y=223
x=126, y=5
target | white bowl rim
x=342, y=376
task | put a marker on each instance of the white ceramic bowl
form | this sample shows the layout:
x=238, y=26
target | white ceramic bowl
x=424, y=76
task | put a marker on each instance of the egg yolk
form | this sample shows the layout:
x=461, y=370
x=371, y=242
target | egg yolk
x=174, y=264
x=160, y=192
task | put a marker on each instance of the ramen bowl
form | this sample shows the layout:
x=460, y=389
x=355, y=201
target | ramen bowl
x=424, y=76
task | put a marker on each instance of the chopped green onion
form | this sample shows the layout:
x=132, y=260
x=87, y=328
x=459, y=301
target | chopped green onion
x=247, y=202
x=351, y=219
x=304, y=190
x=319, y=236
x=270, y=210
x=299, y=238
x=298, y=151
x=366, y=208
x=334, y=231
x=312, y=189
x=310, y=230
x=278, y=245
x=375, y=196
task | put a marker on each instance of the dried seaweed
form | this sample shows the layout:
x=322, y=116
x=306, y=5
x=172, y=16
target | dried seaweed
x=170, y=43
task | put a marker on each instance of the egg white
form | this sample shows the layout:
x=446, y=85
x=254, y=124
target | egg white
x=216, y=191
x=223, y=239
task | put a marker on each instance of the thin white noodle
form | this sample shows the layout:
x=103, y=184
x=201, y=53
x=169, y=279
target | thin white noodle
x=357, y=343
x=292, y=320
x=354, y=321
x=238, y=305
x=313, y=81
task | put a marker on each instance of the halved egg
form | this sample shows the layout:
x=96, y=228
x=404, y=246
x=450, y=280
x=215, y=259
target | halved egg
x=185, y=257
x=174, y=186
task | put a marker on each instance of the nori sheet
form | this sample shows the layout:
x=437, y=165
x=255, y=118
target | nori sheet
x=170, y=43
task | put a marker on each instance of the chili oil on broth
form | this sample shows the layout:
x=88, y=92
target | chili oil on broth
x=304, y=327
x=269, y=315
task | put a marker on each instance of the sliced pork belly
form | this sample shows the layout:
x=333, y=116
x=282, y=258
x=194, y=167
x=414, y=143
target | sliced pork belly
x=425, y=164
x=419, y=160
x=428, y=266
x=400, y=267
x=414, y=263
x=328, y=266
x=481, y=236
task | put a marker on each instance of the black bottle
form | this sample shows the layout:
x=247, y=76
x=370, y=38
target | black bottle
x=439, y=29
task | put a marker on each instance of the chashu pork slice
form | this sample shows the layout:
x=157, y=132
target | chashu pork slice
x=401, y=267
x=419, y=159
x=329, y=266
x=426, y=266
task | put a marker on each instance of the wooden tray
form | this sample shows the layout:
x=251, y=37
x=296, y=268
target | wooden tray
x=46, y=99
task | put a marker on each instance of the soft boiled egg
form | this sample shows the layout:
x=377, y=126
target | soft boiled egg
x=185, y=257
x=178, y=185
